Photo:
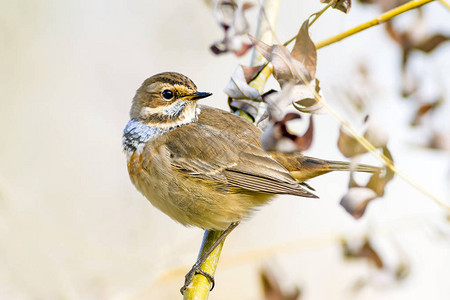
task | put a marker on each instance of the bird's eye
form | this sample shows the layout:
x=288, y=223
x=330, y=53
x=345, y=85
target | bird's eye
x=167, y=94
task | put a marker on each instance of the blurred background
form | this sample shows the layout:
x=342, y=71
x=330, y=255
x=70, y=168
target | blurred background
x=72, y=226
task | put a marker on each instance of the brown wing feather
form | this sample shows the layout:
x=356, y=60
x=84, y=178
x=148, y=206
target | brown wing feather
x=215, y=155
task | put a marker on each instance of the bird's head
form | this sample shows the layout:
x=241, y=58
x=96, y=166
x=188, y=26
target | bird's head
x=166, y=100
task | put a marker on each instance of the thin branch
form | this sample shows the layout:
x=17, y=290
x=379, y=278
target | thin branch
x=319, y=13
x=445, y=3
x=200, y=285
x=265, y=33
x=377, y=21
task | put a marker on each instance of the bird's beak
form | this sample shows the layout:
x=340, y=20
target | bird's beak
x=197, y=95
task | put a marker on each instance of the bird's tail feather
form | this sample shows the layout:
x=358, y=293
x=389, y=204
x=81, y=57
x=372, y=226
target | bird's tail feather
x=304, y=167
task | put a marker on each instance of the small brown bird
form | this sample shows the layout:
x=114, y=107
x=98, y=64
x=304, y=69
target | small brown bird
x=203, y=166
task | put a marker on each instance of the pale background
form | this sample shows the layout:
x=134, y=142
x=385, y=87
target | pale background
x=72, y=226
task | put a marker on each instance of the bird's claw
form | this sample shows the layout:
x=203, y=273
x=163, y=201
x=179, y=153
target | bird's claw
x=190, y=275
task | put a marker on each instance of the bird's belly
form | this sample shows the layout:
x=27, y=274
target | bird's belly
x=193, y=201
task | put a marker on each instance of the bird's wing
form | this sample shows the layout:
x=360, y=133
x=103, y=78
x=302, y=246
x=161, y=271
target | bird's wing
x=208, y=153
x=230, y=124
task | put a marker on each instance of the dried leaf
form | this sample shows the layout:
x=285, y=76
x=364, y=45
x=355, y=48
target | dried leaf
x=350, y=147
x=243, y=50
x=278, y=137
x=379, y=180
x=432, y=42
x=285, y=67
x=224, y=12
x=356, y=199
x=277, y=102
x=300, y=96
x=272, y=289
x=245, y=108
x=426, y=108
x=439, y=141
x=342, y=5
x=305, y=50
x=415, y=38
x=410, y=83
x=305, y=99
x=251, y=72
x=295, y=71
x=237, y=87
x=365, y=250
x=231, y=17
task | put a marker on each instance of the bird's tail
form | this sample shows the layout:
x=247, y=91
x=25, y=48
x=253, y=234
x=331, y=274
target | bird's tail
x=304, y=167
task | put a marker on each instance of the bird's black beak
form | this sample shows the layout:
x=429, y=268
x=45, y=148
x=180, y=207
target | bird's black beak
x=197, y=95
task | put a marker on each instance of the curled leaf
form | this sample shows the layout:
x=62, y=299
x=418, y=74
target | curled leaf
x=379, y=180
x=237, y=87
x=362, y=249
x=426, y=108
x=306, y=99
x=231, y=17
x=278, y=137
x=439, y=141
x=272, y=288
x=251, y=72
x=356, y=199
x=285, y=67
x=351, y=147
x=244, y=108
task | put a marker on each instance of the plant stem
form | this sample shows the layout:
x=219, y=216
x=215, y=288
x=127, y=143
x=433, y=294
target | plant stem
x=381, y=19
x=445, y=3
x=267, y=19
x=200, y=285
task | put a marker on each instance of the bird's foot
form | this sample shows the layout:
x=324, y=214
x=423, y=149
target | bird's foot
x=190, y=276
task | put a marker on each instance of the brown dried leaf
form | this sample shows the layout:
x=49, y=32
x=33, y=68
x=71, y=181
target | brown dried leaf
x=237, y=87
x=426, y=108
x=272, y=289
x=231, y=17
x=285, y=67
x=342, y=5
x=305, y=99
x=277, y=103
x=278, y=137
x=350, y=147
x=354, y=249
x=432, y=42
x=439, y=141
x=251, y=72
x=415, y=38
x=356, y=199
x=379, y=180
x=244, y=49
x=304, y=49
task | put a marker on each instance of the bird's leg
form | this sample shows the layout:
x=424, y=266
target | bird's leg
x=196, y=268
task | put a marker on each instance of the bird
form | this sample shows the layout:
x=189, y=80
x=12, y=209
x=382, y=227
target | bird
x=206, y=167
